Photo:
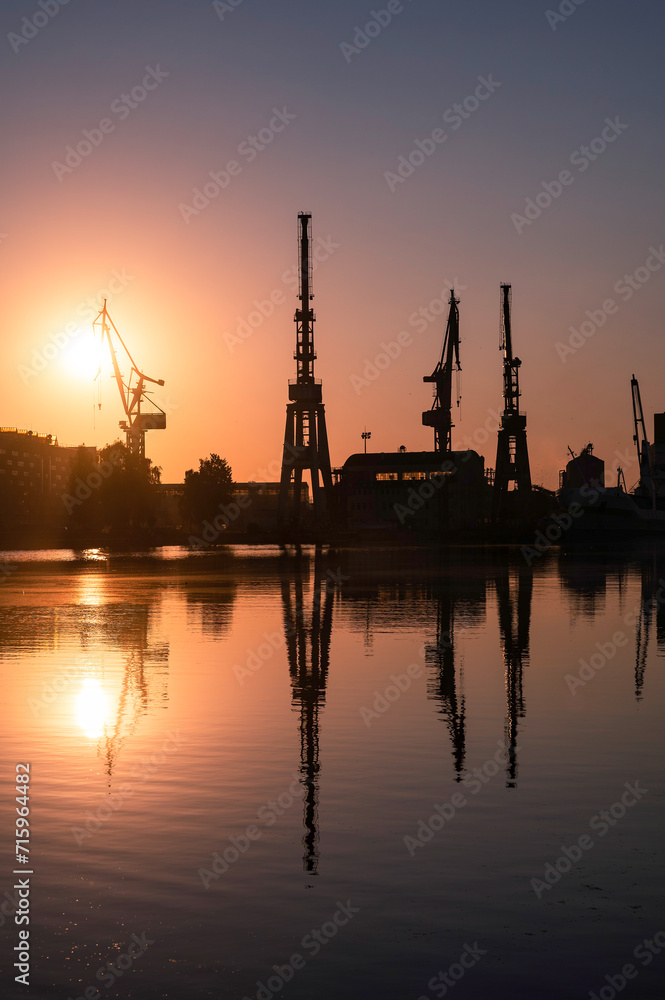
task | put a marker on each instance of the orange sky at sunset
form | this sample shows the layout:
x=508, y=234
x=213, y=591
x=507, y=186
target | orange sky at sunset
x=188, y=282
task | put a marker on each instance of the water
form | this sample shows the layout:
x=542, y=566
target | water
x=163, y=701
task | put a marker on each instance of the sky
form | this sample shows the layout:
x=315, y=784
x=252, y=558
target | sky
x=547, y=175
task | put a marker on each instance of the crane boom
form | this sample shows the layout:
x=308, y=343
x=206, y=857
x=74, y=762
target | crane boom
x=132, y=392
x=439, y=416
x=640, y=435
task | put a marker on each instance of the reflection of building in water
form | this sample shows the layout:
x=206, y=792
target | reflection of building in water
x=211, y=601
x=307, y=634
x=513, y=593
x=585, y=576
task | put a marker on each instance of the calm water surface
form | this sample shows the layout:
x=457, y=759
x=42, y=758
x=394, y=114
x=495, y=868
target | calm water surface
x=167, y=703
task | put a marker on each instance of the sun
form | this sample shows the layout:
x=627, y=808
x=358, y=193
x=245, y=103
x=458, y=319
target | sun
x=82, y=356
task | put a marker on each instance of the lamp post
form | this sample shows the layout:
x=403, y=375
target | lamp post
x=366, y=435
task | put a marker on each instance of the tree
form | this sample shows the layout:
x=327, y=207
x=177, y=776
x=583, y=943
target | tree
x=116, y=494
x=207, y=490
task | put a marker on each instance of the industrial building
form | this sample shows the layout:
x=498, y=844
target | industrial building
x=420, y=491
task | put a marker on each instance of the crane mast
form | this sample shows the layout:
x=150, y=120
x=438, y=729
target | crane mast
x=439, y=416
x=132, y=392
x=512, y=455
x=305, y=435
x=640, y=435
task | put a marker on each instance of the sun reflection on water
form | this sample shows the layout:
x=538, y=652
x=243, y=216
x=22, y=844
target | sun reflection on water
x=92, y=708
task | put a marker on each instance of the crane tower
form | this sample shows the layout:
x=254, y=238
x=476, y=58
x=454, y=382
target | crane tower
x=439, y=416
x=305, y=436
x=512, y=455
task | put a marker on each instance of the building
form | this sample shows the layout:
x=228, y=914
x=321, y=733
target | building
x=422, y=491
x=254, y=507
x=584, y=469
x=259, y=504
x=35, y=465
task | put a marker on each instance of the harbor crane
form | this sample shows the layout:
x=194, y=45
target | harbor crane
x=132, y=392
x=439, y=416
x=305, y=435
x=640, y=436
x=512, y=455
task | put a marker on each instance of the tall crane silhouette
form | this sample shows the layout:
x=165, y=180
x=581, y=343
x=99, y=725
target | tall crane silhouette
x=132, y=391
x=305, y=436
x=439, y=416
x=512, y=455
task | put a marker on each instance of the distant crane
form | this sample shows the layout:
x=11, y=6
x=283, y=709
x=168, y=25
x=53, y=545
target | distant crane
x=439, y=416
x=640, y=435
x=512, y=455
x=132, y=392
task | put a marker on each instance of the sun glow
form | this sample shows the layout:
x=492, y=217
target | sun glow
x=83, y=355
x=92, y=708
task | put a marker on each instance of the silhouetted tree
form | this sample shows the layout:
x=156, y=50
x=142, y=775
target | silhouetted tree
x=207, y=490
x=116, y=495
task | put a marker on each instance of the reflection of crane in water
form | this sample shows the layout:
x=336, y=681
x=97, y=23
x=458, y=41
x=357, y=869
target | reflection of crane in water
x=514, y=609
x=308, y=653
x=443, y=686
x=652, y=603
x=642, y=637
x=143, y=675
